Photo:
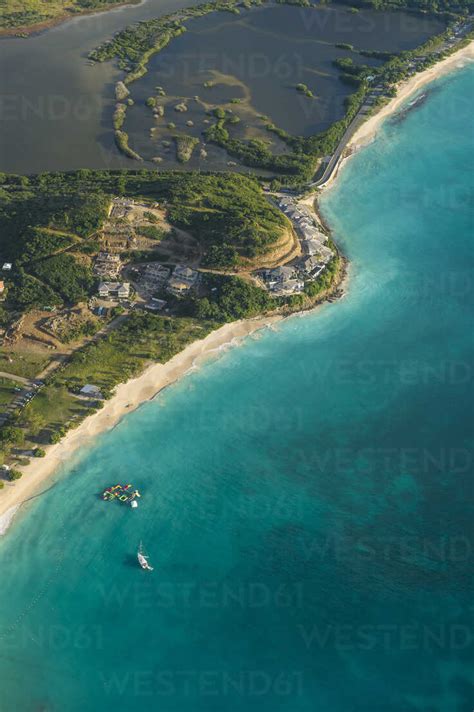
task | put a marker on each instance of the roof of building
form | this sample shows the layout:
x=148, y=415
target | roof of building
x=184, y=272
x=114, y=286
x=90, y=390
x=284, y=272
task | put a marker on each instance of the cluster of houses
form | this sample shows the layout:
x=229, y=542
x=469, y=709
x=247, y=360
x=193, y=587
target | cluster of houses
x=313, y=239
x=154, y=277
x=107, y=265
x=290, y=279
x=121, y=207
x=283, y=281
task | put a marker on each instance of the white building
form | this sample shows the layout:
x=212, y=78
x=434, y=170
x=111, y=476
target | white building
x=182, y=280
x=91, y=391
x=114, y=289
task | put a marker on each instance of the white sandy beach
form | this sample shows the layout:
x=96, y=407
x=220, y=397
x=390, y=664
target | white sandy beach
x=127, y=397
x=130, y=395
x=367, y=132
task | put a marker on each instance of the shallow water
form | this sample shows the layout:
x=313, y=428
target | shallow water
x=56, y=110
x=306, y=498
x=259, y=57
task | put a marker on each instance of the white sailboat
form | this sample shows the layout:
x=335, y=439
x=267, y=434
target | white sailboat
x=143, y=559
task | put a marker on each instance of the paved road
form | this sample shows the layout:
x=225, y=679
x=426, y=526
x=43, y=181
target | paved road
x=357, y=121
x=361, y=115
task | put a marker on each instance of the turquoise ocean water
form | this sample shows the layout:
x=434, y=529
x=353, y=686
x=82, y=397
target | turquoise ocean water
x=307, y=497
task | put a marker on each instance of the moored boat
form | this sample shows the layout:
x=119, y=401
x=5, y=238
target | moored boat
x=143, y=559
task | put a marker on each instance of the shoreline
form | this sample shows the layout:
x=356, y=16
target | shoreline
x=131, y=394
x=367, y=132
x=128, y=397
x=23, y=33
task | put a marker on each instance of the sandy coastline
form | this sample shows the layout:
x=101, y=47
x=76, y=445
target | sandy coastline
x=133, y=393
x=366, y=133
x=128, y=396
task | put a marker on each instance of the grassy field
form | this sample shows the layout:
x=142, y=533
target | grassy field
x=23, y=363
x=24, y=13
x=7, y=391
x=141, y=340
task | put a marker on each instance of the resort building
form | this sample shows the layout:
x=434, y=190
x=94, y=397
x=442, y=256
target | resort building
x=107, y=265
x=155, y=304
x=183, y=280
x=154, y=278
x=283, y=280
x=310, y=267
x=114, y=289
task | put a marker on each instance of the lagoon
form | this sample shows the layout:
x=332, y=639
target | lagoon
x=57, y=110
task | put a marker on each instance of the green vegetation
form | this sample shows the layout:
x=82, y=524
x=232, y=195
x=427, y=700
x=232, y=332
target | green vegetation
x=225, y=213
x=10, y=435
x=134, y=46
x=152, y=232
x=230, y=298
x=22, y=363
x=121, y=139
x=7, y=391
x=140, y=340
x=13, y=475
x=25, y=13
x=185, y=146
x=119, y=115
x=303, y=89
x=65, y=276
x=432, y=7
x=325, y=279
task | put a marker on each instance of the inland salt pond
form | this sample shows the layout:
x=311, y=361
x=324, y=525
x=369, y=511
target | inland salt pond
x=57, y=110
x=251, y=64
